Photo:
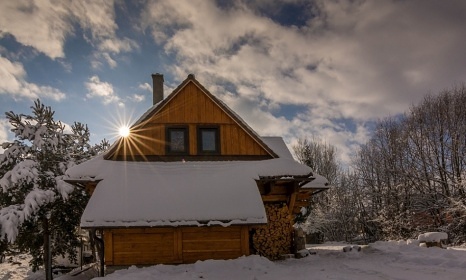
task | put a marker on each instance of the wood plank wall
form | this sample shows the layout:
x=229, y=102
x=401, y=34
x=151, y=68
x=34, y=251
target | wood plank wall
x=144, y=246
x=190, y=107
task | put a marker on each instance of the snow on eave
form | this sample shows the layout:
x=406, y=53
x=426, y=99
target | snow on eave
x=320, y=182
x=88, y=170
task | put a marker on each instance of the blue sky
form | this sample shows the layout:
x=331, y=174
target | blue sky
x=293, y=68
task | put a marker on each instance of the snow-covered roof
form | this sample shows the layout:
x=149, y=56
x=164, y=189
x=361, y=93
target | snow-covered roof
x=320, y=182
x=178, y=193
x=278, y=146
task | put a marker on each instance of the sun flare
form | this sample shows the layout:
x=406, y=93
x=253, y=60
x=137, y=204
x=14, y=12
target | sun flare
x=123, y=131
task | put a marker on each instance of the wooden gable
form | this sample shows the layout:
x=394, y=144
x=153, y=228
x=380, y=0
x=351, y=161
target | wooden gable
x=191, y=107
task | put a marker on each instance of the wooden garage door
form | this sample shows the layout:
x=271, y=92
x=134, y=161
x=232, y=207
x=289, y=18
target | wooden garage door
x=146, y=246
x=141, y=246
x=203, y=243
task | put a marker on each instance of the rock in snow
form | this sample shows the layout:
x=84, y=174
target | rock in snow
x=432, y=237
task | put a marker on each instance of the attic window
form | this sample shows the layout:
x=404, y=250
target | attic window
x=208, y=140
x=177, y=140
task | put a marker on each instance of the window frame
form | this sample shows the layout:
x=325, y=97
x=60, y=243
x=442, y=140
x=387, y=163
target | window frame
x=168, y=130
x=216, y=130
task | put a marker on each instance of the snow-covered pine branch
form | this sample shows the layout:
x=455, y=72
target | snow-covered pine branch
x=12, y=217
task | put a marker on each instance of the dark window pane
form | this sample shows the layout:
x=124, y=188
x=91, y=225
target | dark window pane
x=209, y=141
x=177, y=140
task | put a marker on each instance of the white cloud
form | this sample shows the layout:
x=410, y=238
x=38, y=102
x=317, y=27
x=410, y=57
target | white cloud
x=102, y=90
x=99, y=18
x=40, y=24
x=10, y=75
x=354, y=60
x=13, y=82
x=115, y=45
x=145, y=86
x=110, y=61
x=44, y=25
x=137, y=97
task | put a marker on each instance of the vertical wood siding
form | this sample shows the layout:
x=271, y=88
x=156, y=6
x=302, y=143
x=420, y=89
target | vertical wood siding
x=190, y=107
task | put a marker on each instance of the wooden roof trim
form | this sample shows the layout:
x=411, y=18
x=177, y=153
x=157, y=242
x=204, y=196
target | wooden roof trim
x=159, y=106
x=111, y=152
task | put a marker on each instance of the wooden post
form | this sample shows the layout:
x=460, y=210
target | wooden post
x=292, y=199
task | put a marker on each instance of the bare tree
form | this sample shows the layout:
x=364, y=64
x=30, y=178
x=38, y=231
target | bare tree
x=410, y=177
x=318, y=155
x=413, y=168
x=331, y=215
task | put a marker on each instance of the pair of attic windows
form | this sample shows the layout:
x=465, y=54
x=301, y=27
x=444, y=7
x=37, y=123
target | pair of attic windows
x=208, y=140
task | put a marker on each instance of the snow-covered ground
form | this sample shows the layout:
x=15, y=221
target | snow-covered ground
x=380, y=260
x=14, y=267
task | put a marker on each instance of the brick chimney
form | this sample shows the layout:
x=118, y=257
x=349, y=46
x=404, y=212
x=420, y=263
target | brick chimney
x=157, y=88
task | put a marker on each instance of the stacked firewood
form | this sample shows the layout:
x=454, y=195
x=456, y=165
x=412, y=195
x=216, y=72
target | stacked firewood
x=274, y=239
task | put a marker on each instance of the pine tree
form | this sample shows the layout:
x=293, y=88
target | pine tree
x=36, y=205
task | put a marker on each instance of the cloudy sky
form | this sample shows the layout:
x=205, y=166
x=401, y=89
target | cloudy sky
x=293, y=68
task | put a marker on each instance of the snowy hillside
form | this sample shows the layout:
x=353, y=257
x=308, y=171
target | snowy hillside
x=381, y=260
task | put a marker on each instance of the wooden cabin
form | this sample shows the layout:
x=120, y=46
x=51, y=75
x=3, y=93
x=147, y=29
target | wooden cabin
x=192, y=181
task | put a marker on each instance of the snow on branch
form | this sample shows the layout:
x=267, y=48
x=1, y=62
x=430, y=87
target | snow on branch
x=13, y=216
x=25, y=171
x=63, y=187
x=35, y=199
x=10, y=218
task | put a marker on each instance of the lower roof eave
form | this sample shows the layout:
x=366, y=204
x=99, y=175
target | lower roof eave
x=186, y=226
x=82, y=182
x=174, y=225
x=291, y=178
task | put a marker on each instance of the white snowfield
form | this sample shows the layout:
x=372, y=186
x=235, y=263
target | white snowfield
x=380, y=260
